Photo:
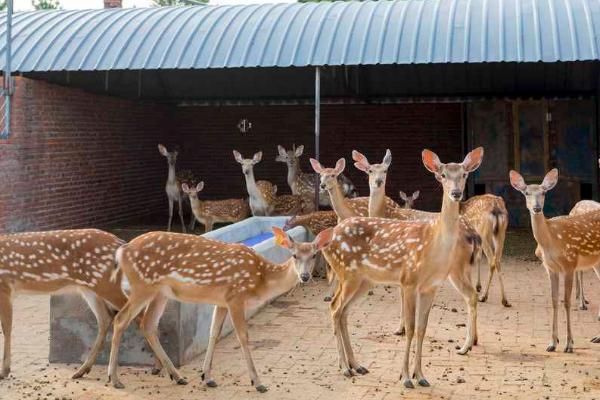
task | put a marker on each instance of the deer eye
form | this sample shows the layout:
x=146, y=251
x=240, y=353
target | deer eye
x=295, y=256
x=443, y=175
x=464, y=175
x=314, y=256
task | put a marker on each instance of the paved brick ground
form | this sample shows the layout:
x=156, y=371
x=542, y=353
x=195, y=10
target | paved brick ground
x=295, y=352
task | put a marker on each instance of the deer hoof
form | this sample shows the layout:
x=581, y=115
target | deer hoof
x=118, y=385
x=81, y=373
x=370, y=293
x=423, y=382
x=583, y=307
x=348, y=373
x=596, y=339
x=327, y=299
x=211, y=384
x=5, y=373
x=181, y=381
x=261, y=389
x=478, y=287
x=400, y=332
x=408, y=384
x=362, y=371
x=551, y=348
x=483, y=299
x=505, y=303
x=155, y=371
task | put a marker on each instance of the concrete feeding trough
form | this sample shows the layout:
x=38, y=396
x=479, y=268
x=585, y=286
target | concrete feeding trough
x=183, y=329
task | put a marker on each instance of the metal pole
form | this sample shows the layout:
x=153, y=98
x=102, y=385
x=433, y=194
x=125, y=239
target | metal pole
x=317, y=128
x=7, y=70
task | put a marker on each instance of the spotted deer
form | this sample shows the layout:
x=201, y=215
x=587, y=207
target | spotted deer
x=173, y=187
x=315, y=222
x=415, y=255
x=209, y=212
x=459, y=277
x=304, y=184
x=57, y=261
x=194, y=269
x=409, y=201
x=263, y=194
x=566, y=244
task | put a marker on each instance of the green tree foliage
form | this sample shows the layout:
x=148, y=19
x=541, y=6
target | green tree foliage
x=166, y=3
x=45, y=4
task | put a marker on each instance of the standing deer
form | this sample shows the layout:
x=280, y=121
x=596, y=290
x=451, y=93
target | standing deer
x=409, y=201
x=565, y=244
x=217, y=211
x=304, y=184
x=48, y=262
x=416, y=255
x=460, y=276
x=195, y=269
x=173, y=186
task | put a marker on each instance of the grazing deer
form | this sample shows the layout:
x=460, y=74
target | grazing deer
x=315, y=222
x=304, y=184
x=195, y=269
x=460, y=278
x=416, y=255
x=488, y=215
x=409, y=201
x=566, y=244
x=173, y=187
x=217, y=211
x=55, y=261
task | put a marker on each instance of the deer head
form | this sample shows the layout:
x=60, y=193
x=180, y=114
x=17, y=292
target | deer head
x=192, y=191
x=247, y=163
x=377, y=172
x=534, y=194
x=453, y=176
x=409, y=201
x=170, y=155
x=290, y=157
x=304, y=254
x=328, y=176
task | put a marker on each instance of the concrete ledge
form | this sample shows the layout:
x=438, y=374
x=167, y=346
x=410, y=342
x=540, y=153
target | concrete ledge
x=183, y=329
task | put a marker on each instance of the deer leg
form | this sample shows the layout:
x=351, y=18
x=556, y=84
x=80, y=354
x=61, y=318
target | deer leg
x=568, y=277
x=579, y=293
x=505, y=302
x=170, y=214
x=208, y=226
x=192, y=223
x=401, y=330
x=409, y=308
x=554, y=290
x=132, y=308
x=181, y=215
x=489, y=255
x=424, y=301
x=103, y=319
x=349, y=299
x=333, y=285
x=336, y=314
x=463, y=285
x=149, y=325
x=6, y=314
x=478, y=287
x=236, y=311
x=216, y=326
x=597, y=272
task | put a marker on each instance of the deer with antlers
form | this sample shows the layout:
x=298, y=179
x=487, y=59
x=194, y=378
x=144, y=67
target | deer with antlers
x=195, y=269
x=54, y=261
x=263, y=194
x=217, y=211
x=566, y=244
x=409, y=201
x=415, y=255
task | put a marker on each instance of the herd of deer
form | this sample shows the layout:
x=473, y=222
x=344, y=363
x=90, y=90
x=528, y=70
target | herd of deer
x=365, y=241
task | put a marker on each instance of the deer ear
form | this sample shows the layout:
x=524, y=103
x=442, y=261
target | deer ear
x=323, y=239
x=473, y=160
x=339, y=166
x=281, y=150
x=431, y=161
x=281, y=238
x=316, y=165
x=517, y=181
x=238, y=157
x=299, y=150
x=361, y=161
x=199, y=186
x=416, y=194
x=257, y=157
x=185, y=188
x=163, y=150
x=387, y=159
x=402, y=195
x=550, y=179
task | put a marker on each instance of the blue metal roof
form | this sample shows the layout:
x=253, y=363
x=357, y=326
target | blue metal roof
x=295, y=34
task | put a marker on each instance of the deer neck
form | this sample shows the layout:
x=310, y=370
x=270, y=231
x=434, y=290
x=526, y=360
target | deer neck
x=293, y=172
x=196, y=204
x=278, y=279
x=172, y=177
x=251, y=185
x=377, y=202
x=539, y=226
x=339, y=203
x=448, y=221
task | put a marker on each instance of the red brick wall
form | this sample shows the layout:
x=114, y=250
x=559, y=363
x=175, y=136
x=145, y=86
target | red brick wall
x=76, y=159
x=208, y=135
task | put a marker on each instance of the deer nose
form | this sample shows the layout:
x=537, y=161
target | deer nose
x=304, y=277
x=322, y=186
x=537, y=209
x=456, y=194
x=379, y=182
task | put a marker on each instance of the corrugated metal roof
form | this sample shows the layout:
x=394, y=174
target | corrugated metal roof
x=294, y=34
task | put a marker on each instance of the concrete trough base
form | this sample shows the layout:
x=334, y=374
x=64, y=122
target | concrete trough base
x=183, y=329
